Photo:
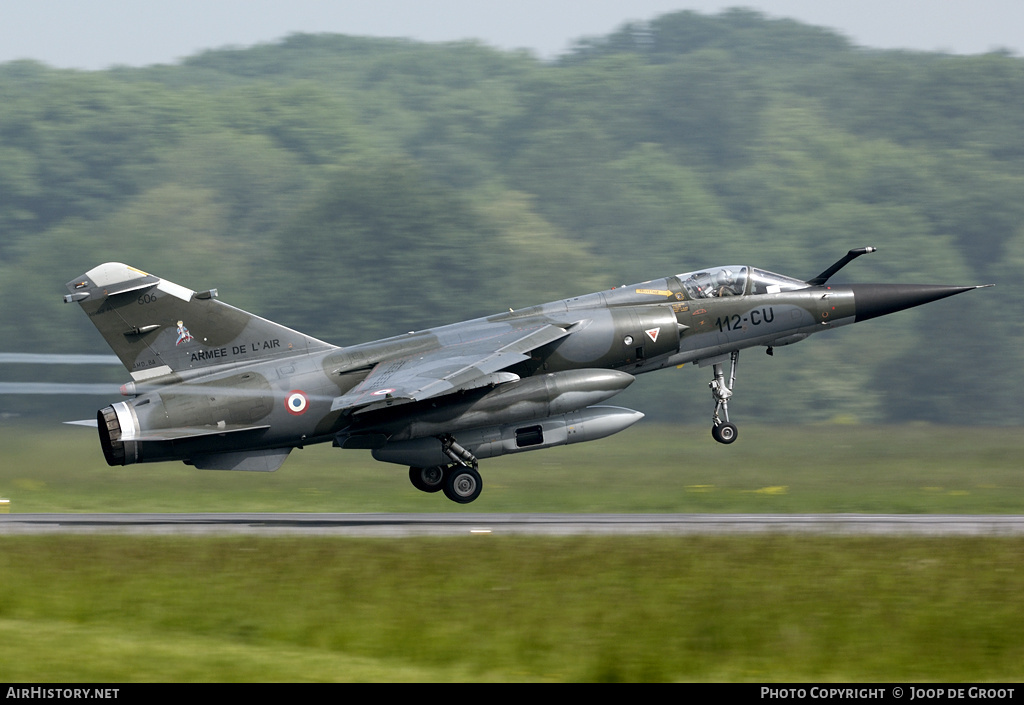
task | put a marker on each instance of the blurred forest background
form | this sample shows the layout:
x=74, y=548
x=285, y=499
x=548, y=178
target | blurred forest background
x=356, y=188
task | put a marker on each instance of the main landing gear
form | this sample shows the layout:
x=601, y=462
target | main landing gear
x=722, y=430
x=459, y=481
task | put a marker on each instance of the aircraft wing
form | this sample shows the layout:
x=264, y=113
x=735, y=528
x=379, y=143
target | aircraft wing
x=467, y=365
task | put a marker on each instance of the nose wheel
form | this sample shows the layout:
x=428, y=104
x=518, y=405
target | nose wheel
x=722, y=430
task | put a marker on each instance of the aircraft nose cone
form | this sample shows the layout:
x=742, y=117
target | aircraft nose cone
x=873, y=300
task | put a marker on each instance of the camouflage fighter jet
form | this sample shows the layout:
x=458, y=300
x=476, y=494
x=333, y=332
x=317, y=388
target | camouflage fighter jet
x=222, y=389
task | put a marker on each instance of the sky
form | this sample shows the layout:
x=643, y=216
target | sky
x=97, y=34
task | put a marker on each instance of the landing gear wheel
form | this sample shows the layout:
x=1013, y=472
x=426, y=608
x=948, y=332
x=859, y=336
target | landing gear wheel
x=724, y=433
x=721, y=390
x=429, y=479
x=462, y=484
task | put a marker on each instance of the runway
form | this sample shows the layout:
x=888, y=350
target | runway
x=458, y=524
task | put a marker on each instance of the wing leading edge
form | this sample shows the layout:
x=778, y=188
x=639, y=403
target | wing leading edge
x=447, y=369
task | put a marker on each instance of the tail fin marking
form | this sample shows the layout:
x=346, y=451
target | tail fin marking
x=157, y=327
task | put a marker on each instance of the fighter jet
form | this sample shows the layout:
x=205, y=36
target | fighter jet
x=222, y=389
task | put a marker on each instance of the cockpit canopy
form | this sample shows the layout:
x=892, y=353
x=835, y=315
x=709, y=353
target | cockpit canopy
x=736, y=281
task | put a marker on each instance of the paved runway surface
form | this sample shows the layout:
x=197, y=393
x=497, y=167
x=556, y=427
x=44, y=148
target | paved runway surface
x=395, y=525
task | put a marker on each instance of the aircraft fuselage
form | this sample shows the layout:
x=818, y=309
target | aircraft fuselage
x=222, y=389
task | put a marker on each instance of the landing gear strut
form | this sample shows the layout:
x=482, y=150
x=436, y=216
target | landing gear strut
x=460, y=481
x=722, y=430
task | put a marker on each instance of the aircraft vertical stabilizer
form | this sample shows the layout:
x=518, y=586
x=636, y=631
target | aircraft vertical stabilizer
x=157, y=327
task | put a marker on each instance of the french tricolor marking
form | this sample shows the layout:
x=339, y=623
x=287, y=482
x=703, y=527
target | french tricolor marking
x=297, y=402
x=381, y=392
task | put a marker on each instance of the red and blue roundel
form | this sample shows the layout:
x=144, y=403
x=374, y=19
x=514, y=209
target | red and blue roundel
x=296, y=402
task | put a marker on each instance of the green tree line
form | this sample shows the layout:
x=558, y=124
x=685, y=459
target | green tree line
x=357, y=188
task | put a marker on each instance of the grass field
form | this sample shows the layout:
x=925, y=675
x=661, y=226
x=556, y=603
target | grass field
x=765, y=608
x=649, y=468
x=491, y=608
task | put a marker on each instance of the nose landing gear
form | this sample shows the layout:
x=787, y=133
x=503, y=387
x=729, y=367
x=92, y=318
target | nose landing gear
x=722, y=430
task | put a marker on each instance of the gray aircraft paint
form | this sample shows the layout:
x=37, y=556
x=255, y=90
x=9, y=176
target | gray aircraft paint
x=220, y=388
